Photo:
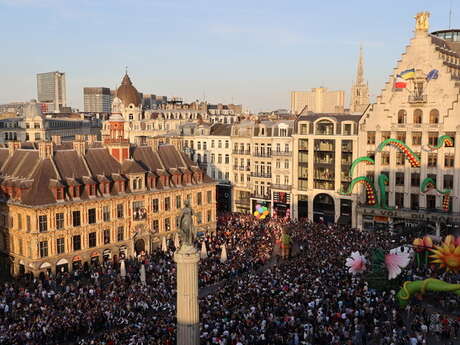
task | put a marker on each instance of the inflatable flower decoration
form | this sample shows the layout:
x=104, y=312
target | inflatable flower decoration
x=448, y=254
x=356, y=263
x=395, y=260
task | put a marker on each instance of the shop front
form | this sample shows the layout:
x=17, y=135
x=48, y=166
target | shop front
x=76, y=262
x=94, y=258
x=281, y=205
x=410, y=221
x=62, y=266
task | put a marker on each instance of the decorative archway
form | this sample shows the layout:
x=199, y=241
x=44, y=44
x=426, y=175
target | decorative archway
x=324, y=208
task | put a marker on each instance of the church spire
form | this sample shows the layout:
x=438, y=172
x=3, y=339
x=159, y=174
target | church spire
x=359, y=89
x=360, y=69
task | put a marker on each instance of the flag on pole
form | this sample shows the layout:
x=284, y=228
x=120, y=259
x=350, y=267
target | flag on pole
x=400, y=83
x=408, y=74
x=433, y=74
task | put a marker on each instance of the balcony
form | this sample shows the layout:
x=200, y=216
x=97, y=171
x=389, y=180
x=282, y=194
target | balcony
x=415, y=99
x=324, y=185
x=281, y=153
x=260, y=196
x=241, y=168
x=259, y=174
x=281, y=186
x=324, y=161
x=262, y=154
x=241, y=152
x=324, y=147
x=325, y=177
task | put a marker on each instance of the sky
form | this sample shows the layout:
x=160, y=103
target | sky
x=246, y=52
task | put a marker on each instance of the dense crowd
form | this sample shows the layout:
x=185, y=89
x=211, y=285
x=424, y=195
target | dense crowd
x=308, y=299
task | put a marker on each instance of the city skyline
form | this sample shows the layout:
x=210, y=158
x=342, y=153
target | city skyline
x=240, y=54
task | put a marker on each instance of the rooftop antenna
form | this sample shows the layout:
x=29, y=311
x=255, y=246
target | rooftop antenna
x=450, y=15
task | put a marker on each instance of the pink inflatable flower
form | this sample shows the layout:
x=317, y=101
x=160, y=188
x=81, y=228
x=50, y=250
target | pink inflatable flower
x=395, y=260
x=356, y=262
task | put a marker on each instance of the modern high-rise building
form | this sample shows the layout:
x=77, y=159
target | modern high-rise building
x=97, y=99
x=318, y=100
x=51, y=90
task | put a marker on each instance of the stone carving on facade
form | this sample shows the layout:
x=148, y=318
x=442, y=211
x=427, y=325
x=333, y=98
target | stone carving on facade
x=116, y=105
x=422, y=21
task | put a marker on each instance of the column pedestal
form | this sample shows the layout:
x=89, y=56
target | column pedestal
x=188, y=318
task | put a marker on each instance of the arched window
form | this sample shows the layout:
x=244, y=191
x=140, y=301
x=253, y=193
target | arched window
x=418, y=114
x=402, y=114
x=325, y=127
x=434, y=116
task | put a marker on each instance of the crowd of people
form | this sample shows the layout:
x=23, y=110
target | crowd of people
x=308, y=299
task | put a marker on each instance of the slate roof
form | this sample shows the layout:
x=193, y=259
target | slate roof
x=37, y=176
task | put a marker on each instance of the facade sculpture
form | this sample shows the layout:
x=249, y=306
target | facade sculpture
x=422, y=21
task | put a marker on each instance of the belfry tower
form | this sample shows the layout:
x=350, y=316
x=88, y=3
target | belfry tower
x=360, y=89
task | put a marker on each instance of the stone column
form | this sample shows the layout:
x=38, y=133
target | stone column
x=188, y=319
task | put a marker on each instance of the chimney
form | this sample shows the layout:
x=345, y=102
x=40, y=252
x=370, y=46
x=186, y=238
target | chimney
x=56, y=139
x=12, y=146
x=79, y=146
x=45, y=149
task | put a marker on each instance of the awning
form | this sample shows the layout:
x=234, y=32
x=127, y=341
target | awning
x=62, y=262
x=344, y=220
x=76, y=258
x=45, y=265
x=94, y=254
x=380, y=219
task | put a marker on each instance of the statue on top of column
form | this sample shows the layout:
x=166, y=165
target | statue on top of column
x=422, y=21
x=186, y=225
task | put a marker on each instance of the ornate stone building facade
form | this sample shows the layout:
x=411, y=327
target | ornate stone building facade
x=411, y=133
x=76, y=202
x=167, y=117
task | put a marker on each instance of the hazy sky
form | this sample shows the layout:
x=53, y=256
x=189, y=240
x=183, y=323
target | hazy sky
x=248, y=52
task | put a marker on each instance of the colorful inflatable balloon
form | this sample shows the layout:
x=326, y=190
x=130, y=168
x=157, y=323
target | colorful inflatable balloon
x=261, y=212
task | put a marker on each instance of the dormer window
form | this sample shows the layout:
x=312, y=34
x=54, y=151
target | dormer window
x=121, y=186
x=262, y=131
x=137, y=183
x=76, y=192
x=106, y=188
x=59, y=193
